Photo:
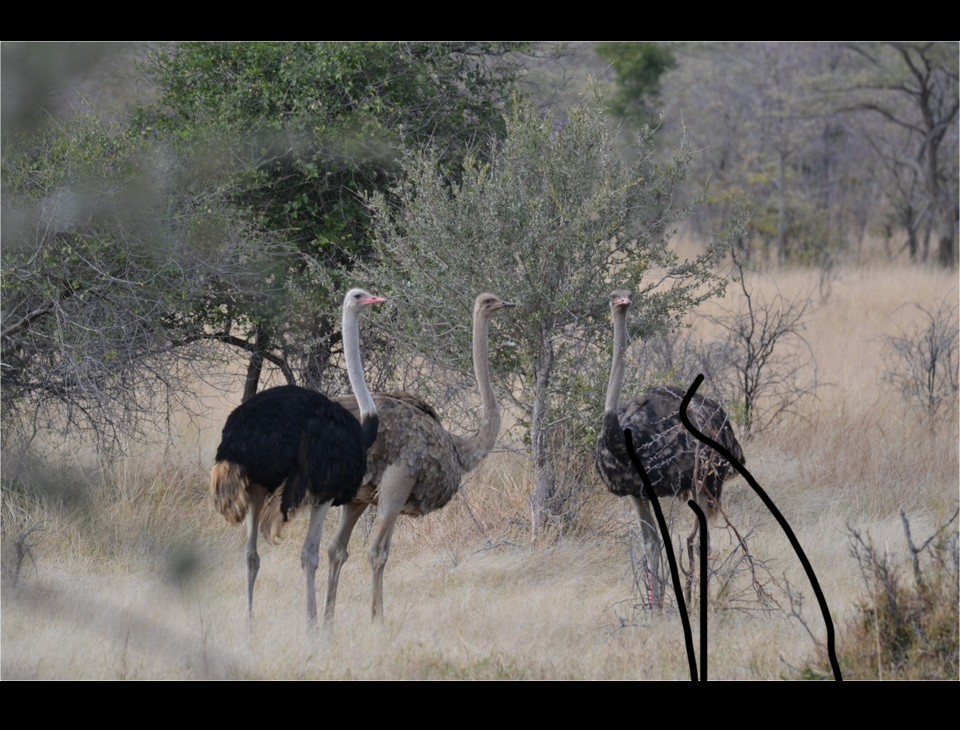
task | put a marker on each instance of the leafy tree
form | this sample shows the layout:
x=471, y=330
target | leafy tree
x=638, y=67
x=555, y=220
x=228, y=212
x=47, y=82
x=295, y=133
x=100, y=282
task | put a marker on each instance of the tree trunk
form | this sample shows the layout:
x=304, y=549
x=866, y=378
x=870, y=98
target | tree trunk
x=913, y=247
x=318, y=361
x=543, y=501
x=782, y=212
x=255, y=366
x=943, y=205
x=947, y=251
x=947, y=238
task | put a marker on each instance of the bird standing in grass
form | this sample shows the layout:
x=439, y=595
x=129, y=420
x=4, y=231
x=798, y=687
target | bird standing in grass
x=416, y=465
x=299, y=441
x=675, y=461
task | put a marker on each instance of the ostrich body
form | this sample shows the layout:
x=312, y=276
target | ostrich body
x=416, y=465
x=675, y=461
x=302, y=443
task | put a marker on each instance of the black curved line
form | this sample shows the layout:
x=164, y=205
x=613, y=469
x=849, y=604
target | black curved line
x=704, y=542
x=784, y=525
x=671, y=559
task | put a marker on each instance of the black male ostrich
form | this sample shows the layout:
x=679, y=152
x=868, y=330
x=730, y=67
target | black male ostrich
x=301, y=440
x=416, y=465
x=675, y=461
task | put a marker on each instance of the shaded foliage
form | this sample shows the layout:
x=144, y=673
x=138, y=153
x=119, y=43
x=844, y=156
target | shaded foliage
x=296, y=133
x=97, y=273
x=638, y=66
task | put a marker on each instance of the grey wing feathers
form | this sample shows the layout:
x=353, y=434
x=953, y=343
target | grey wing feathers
x=672, y=456
x=414, y=401
x=410, y=434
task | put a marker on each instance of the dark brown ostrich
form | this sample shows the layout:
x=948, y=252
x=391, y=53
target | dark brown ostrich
x=300, y=440
x=416, y=465
x=675, y=461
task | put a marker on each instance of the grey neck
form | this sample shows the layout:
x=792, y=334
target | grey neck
x=616, y=367
x=480, y=445
x=351, y=349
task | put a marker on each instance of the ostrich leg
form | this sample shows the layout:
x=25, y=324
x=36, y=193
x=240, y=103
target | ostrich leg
x=310, y=557
x=395, y=487
x=651, y=546
x=256, y=496
x=337, y=553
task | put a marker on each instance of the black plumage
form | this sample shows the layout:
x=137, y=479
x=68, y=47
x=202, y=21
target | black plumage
x=300, y=439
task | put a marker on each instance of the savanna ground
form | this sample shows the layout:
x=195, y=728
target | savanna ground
x=125, y=572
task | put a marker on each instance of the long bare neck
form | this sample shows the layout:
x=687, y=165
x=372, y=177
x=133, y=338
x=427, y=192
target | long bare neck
x=351, y=350
x=481, y=444
x=615, y=383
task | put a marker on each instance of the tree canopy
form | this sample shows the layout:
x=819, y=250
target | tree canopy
x=298, y=132
x=638, y=66
x=226, y=209
x=554, y=219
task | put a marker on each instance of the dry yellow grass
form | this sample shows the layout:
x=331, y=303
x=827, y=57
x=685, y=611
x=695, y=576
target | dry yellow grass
x=139, y=579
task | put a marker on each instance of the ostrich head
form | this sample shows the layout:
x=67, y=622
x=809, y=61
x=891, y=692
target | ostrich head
x=357, y=299
x=487, y=304
x=620, y=299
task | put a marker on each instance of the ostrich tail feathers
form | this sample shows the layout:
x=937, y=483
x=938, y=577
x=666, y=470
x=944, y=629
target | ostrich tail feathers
x=228, y=487
x=272, y=519
x=293, y=493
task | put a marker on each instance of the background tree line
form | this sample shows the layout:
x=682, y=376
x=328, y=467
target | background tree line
x=836, y=143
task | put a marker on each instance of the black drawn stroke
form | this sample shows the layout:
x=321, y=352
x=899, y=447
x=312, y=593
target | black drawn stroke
x=704, y=542
x=784, y=525
x=668, y=544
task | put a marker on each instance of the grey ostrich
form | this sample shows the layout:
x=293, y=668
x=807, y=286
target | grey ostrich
x=416, y=465
x=675, y=461
x=299, y=442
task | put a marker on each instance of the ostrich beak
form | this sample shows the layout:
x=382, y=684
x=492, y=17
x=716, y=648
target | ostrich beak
x=373, y=299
